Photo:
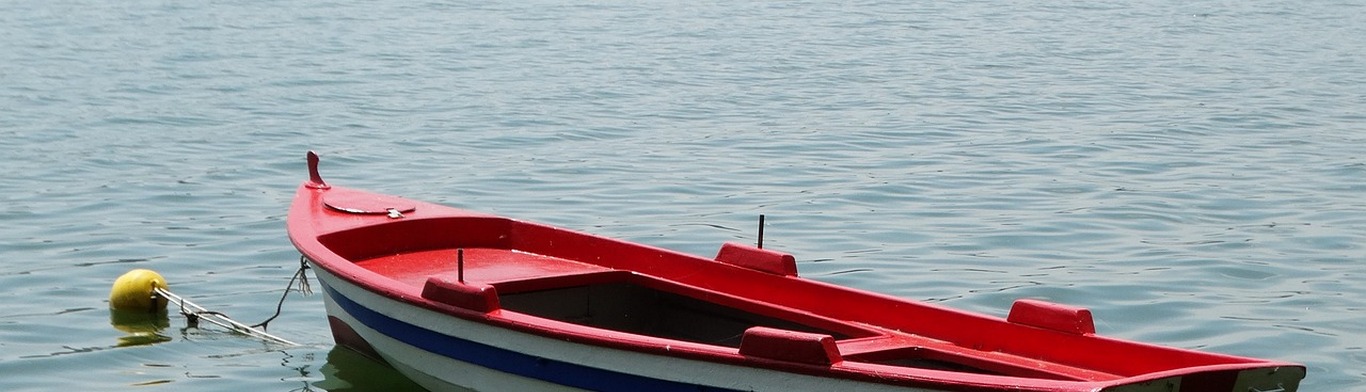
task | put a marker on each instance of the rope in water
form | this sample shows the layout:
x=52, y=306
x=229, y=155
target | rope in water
x=300, y=275
x=196, y=313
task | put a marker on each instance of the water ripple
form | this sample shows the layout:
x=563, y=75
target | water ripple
x=1194, y=163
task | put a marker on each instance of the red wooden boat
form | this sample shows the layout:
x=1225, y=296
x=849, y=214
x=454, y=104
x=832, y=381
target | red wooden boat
x=460, y=299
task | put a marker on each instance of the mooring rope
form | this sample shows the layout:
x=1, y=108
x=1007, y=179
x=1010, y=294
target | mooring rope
x=302, y=276
x=195, y=313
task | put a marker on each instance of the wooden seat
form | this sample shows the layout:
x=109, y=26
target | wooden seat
x=790, y=346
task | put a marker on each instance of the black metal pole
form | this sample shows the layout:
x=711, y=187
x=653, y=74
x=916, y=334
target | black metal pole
x=761, y=231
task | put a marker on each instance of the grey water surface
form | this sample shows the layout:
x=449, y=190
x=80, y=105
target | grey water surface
x=1191, y=171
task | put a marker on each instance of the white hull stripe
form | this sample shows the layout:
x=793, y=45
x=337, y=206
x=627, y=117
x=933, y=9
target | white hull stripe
x=513, y=362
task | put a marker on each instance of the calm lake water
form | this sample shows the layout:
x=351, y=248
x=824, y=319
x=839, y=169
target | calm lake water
x=1192, y=171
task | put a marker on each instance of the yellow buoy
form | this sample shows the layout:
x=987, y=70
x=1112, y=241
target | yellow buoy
x=134, y=291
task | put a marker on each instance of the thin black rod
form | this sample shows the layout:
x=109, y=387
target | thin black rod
x=761, y=231
x=460, y=265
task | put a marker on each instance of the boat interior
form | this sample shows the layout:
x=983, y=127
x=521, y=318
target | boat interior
x=644, y=306
x=628, y=307
x=490, y=266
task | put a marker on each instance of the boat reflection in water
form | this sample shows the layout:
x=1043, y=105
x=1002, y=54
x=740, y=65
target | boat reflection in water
x=349, y=371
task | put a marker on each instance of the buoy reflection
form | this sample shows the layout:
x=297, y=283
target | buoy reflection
x=142, y=328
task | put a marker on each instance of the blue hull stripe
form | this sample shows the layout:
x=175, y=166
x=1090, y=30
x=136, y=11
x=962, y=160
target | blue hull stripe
x=507, y=361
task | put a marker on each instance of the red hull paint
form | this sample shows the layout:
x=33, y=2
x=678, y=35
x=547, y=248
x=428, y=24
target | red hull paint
x=407, y=250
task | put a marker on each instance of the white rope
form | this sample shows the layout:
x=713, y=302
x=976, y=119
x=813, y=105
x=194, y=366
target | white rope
x=190, y=309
